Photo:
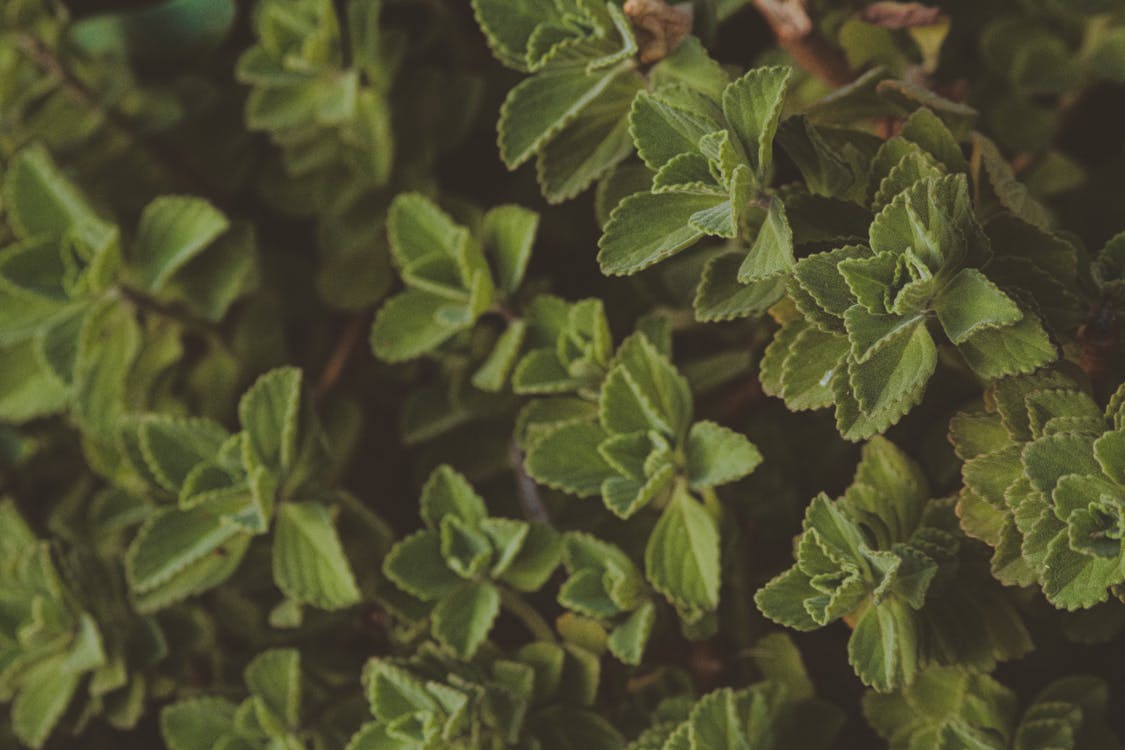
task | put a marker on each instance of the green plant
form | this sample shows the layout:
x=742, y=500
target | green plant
x=782, y=407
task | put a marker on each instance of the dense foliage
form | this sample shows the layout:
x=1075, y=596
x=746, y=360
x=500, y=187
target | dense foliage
x=781, y=404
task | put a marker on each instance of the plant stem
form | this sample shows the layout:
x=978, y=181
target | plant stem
x=530, y=501
x=527, y=614
x=795, y=34
x=339, y=357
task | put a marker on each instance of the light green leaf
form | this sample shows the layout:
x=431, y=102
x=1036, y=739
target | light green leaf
x=414, y=322
x=670, y=121
x=970, y=302
x=536, y=560
x=716, y=723
x=172, y=446
x=415, y=564
x=463, y=619
x=173, y=230
x=110, y=341
x=772, y=252
x=507, y=235
x=493, y=374
x=269, y=412
x=173, y=538
x=309, y=565
x=884, y=647
x=196, y=723
x=1018, y=348
x=869, y=332
x=417, y=229
x=466, y=550
x=592, y=144
x=201, y=575
x=567, y=459
x=508, y=26
x=895, y=375
x=447, y=492
x=628, y=640
x=39, y=705
x=646, y=228
x=682, y=555
x=540, y=106
x=752, y=106
x=275, y=677
x=717, y=455
x=39, y=200
x=663, y=393
x=720, y=296
x=813, y=361
x=27, y=388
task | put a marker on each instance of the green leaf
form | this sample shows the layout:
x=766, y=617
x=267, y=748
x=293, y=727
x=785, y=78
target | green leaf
x=508, y=26
x=720, y=296
x=414, y=322
x=172, y=446
x=540, y=106
x=27, y=388
x=628, y=640
x=926, y=130
x=1073, y=580
x=895, y=375
x=415, y=564
x=309, y=565
x=418, y=229
x=662, y=392
x=40, y=201
x=493, y=374
x=670, y=121
x=772, y=252
x=813, y=361
x=567, y=459
x=1012, y=193
x=1018, y=348
x=508, y=234
x=47, y=690
x=646, y=228
x=536, y=560
x=275, y=677
x=196, y=723
x=682, y=554
x=717, y=455
x=108, y=345
x=752, y=106
x=463, y=619
x=448, y=493
x=715, y=722
x=592, y=144
x=269, y=413
x=194, y=578
x=466, y=550
x=173, y=538
x=884, y=647
x=970, y=302
x=173, y=230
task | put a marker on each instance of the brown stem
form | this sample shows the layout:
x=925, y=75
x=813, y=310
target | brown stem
x=530, y=501
x=340, y=355
x=795, y=34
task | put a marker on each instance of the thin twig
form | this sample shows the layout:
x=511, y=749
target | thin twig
x=795, y=34
x=340, y=356
x=530, y=501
